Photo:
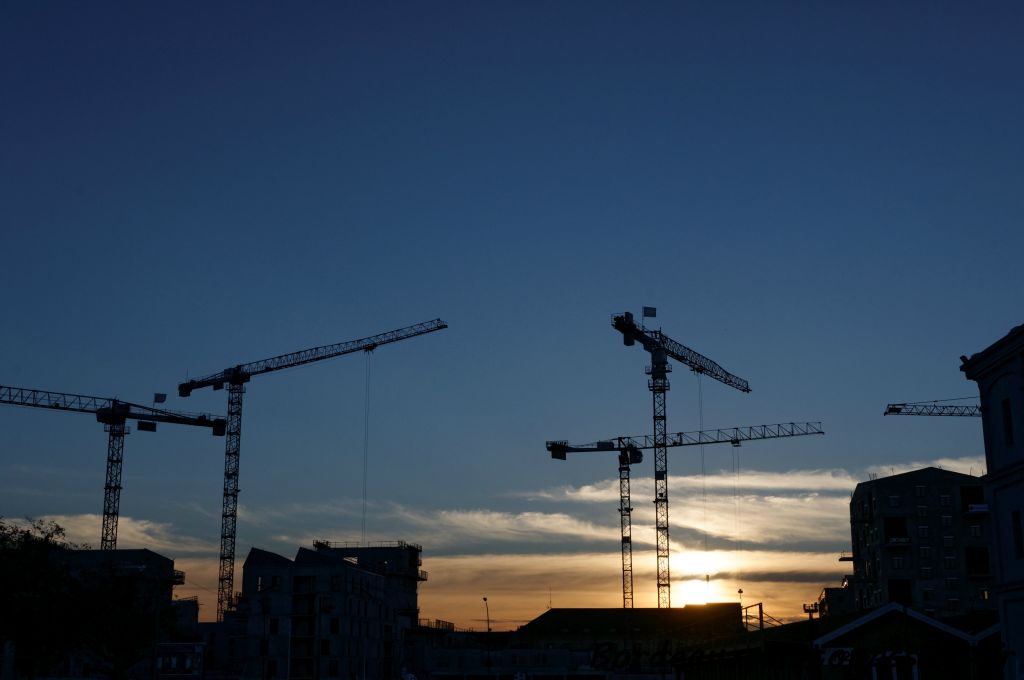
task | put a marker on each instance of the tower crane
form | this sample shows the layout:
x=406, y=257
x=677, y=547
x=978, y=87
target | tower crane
x=235, y=379
x=933, y=408
x=629, y=450
x=661, y=348
x=114, y=414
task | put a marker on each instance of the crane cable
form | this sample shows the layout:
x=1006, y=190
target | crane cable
x=703, y=472
x=736, y=518
x=366, y=439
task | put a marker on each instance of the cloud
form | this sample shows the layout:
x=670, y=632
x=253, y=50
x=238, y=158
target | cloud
x=720, y=480
x=134, y=533
x=968, y=465
x=750, y=481
x=774, y=535
x=450, y=528
x=519, y=587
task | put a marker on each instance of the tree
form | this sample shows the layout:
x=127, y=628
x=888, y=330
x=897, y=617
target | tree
x=36, y=595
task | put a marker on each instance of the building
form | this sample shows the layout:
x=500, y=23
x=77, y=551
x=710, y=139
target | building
x=336, y=611
x=894, y=641
x=84, y=613
x=999, y=372
x=922, y=539
x=833, y=600
x=578, y=644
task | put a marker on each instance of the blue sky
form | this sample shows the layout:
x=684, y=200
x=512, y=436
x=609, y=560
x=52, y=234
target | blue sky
x=824, y=199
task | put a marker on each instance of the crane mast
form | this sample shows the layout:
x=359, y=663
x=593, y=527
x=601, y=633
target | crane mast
x=235, y=379
x=113, y=414
x=629, y=450
x=661, y=348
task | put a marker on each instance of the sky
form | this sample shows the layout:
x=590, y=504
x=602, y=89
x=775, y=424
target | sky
x=823, y=198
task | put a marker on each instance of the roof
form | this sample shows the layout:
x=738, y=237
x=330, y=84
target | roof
x=994, y=353
x=897, y=609
x=640, y=622
x=921, y=474
x=266, y=558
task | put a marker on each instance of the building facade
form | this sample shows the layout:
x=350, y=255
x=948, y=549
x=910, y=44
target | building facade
x=999, y=372
x=922, y=539
x=336, y=611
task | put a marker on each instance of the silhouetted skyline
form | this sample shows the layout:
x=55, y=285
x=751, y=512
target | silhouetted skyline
x=823, y=199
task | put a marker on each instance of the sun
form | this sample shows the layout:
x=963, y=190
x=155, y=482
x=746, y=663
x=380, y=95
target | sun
x=697, y=584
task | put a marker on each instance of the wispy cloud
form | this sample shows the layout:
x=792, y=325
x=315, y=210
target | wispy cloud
x=134, y=533
x=719, y=480
x=751, y=481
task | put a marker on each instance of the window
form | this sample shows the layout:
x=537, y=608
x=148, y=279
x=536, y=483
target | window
x=894, y=501
x=976, y=560
x=334, y=625
x=922, y=511
x=927, y=594
x=259, y=583
x=947, y=520
x=953, y=604
x=952, y=583
x=1018, y=536
x=1007, y=423
x=922, y=530
x=273, y=625
x=949, y=562
x=325, y=647
x=897, y=562
x=945, y=500
x=947, y=541
x=974, y=531
x=926, y=572
x=920, y=491
x=925, y=552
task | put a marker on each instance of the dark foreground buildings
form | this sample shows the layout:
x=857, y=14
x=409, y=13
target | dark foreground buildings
x=85, y=613
x=999, y=372
x=350, y=612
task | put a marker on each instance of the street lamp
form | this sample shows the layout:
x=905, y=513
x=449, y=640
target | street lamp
x=487, y=608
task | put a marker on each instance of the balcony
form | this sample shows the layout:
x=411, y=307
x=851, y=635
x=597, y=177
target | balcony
x=977, y=509
x=898, y=541
x=178, y=578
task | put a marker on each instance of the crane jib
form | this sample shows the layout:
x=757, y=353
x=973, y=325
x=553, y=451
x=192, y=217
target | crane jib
x=241, y=373
x=653, y=341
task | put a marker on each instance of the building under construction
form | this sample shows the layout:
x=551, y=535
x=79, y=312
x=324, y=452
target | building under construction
x=338, y=610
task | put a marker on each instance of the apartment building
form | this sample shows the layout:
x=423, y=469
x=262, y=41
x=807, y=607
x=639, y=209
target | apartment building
x=922, y=539
x=339, y=610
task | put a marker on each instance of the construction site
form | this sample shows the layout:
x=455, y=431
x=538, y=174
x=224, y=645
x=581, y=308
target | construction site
x=511, y=341
x=351, y=609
